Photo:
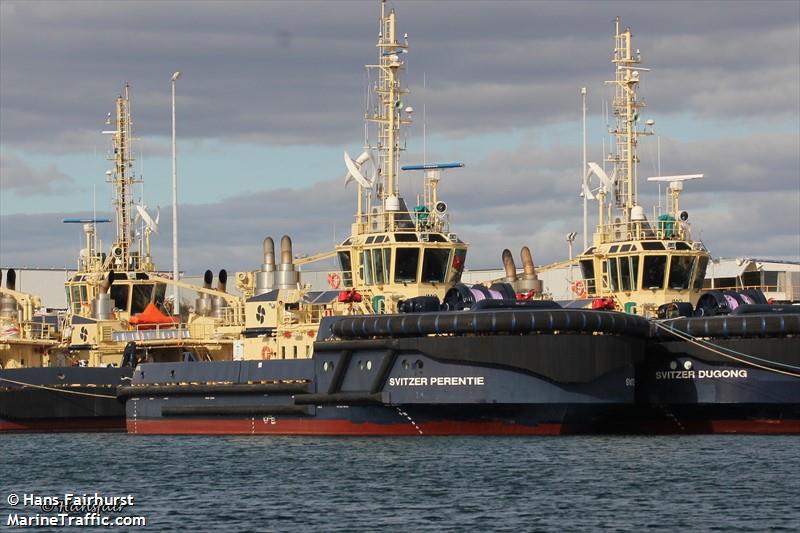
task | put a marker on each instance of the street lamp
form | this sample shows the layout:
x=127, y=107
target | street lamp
x=175, y=291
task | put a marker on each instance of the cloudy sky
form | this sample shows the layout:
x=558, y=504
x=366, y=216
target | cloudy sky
x=273, y=92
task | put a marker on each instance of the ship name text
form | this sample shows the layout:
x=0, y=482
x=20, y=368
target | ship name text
x=436, y=381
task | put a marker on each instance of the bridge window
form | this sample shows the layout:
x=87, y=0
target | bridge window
x=459, y=258
x=612, y=274
x=366, y=261
x=680, y=271
x=625, y=273
x=434, y=265
x=346, y=266
x=700, y=275
x=405, y=265
x=587, y=272
x=119, y=294
x=381, y=257
x=141, y=297
x=655, y=267
x=635, y=272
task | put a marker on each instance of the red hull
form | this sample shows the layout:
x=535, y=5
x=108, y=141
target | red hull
x=115, y=424
x=251, y=426
x=723, y=427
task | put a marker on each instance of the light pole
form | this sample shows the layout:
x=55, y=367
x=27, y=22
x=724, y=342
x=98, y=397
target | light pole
x=176, y=309
x=584, y=185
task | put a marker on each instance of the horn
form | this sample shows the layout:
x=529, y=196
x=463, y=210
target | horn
x=508, y=264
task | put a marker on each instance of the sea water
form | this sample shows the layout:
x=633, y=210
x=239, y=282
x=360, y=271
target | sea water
x=675, y=483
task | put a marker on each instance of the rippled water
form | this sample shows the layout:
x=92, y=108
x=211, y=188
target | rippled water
x=731, y=483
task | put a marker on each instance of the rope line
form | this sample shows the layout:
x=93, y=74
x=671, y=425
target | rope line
x=54, y=389
x=712, y=348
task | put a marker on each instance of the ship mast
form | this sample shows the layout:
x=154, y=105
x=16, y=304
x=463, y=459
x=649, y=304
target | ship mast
x=388, y=110
x=626, y=113
x=122, y=178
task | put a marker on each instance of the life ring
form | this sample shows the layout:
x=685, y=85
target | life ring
x=579, y=289
x=266, y=352
x=334, y=280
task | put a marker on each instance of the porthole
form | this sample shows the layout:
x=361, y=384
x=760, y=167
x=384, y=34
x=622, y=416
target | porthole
x=361, y=365
x=418, y=363
x=406, y=364
x=369, y=364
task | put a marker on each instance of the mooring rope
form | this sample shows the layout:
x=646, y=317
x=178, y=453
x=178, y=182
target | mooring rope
x=54, y=389
x=713, y=348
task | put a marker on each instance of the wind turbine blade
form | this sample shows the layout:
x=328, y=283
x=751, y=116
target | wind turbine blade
x=587, y=192
x=353, y=170
x=607, y=182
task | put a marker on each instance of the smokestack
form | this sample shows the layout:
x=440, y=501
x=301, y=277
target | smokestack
x=8, y=304
x=223, y=280
x=269, y=253
x=530, y=281
x=107, y=282
x=286, y=250
x=287, y=277
x=527, y=262
x=204, y=304
x=218, y=302
x=508, y=264
x=102, y=306
x=265, y=278
x=11, y=279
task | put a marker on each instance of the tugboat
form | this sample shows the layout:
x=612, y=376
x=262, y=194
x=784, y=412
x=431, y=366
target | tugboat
x=61, y=373
x=401, y=347
x=719, y=361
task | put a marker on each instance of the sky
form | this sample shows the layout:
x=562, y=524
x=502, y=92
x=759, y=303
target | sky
x=272, y=93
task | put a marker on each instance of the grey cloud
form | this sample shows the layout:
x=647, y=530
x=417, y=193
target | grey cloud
x=290, y=72
x=23, y=180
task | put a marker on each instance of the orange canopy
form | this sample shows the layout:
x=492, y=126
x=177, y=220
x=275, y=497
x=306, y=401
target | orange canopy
x=152, y=315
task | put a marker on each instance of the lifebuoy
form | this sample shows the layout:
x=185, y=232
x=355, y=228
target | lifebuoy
x=579, y=288
x=334, y=280
x=266, y=352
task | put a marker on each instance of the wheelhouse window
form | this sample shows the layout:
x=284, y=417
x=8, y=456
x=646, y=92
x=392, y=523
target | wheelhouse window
x=119, y=294
x=624, y=273
x=655, y=266
x=141, y=297
x=381, y=257
x=680, y=271
x=587, y=272
x=635, y=272
x=459, y=258
x=346, y=266
x=612, y=274
x=434, y=265
x=74, y=297
x=366, y=261
x=405, y=265
x=700, y=275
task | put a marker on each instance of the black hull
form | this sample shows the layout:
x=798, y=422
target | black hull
x=61, y=399
x=742, y=382
x=530, y=383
